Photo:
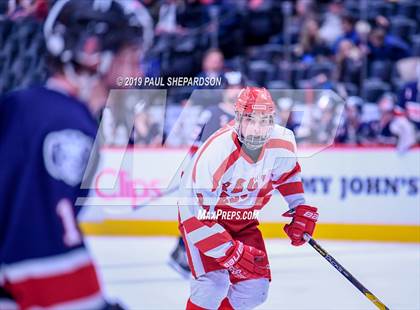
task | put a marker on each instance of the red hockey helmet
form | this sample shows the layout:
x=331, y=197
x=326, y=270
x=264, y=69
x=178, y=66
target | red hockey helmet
x=253, y=100
x=254, y=120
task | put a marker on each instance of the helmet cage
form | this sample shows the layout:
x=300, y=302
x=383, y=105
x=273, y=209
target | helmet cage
x=253, y=142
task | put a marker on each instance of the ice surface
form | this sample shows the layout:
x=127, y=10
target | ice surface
x=134, y=270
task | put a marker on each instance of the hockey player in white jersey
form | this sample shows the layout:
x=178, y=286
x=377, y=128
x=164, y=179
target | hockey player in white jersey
x=233, y=174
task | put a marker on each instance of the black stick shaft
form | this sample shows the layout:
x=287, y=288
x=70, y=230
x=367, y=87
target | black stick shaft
x=345, y=273
x=152, y=199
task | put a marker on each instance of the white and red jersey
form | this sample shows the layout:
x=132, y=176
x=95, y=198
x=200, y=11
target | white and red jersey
x=222, y=176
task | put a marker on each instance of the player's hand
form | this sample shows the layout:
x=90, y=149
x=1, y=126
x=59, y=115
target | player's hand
x=304, y=219
x=244, y=261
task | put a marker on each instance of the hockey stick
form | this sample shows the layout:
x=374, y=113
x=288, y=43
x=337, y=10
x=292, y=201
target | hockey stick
x=151, y=199
x=345, y=273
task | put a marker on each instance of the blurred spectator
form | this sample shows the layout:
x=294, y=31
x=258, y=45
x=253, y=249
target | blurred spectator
x=321, y=78
x=311, y=45
x=389, y=129
x=349, y=32
x=386, y=47
x=187, y=28
x=167, y=22
x=407, y=123
x=382, y=22
x=409, y=95
x=399, y=125
x=285, y=113
x=323, y=122
x=183, y=32
x=144, y=16
x=146, y=132
x=23, y=8
x=349, y=130
x=363, y=29
x=191, y=14
x=180, y=118
x=349, y=62
x=409, y=102
x=331, y=27
x=153, y=8
x=231, y=32
x=263, y=20
x=213, y=63
x=386, y=110
x=317, y=119
x=218, y=115
x=304, y=11
x=183, y=17
x=405, y=131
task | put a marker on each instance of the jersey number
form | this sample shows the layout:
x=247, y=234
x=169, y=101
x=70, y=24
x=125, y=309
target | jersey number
x=72, y=235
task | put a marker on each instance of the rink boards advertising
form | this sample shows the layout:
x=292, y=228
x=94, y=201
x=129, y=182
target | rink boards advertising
x=359, y=196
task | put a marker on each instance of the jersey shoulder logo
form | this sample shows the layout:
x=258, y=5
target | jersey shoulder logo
x=66, y=154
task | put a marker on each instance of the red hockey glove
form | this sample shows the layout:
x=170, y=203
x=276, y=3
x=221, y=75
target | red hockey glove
x=244, y=261
x=304, y=219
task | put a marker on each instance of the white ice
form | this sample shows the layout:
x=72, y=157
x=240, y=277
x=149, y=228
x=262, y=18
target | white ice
x=135, y=272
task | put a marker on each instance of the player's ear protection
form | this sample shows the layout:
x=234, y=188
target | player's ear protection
x=55, y=44
x=54, y=40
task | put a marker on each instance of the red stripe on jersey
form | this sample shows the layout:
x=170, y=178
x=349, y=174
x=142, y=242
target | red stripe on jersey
x=224, y=166
x=263, y=197
x=200, y=198
x=192, y=224
x=213, y=241
x=192, y=306
x=206, y=145
x=52, y=290
x=285, y=176
x=280, y=143
x=291, y=188
x=260, y=202
x=187, y=248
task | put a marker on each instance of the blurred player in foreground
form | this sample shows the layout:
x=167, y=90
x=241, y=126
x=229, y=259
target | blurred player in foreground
x=46, y=138
x=210, y=120
x=234, y=174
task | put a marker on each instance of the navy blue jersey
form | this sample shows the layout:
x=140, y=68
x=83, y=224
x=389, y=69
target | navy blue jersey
x=46, y=139
x=409, y=101
x=211, y=119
